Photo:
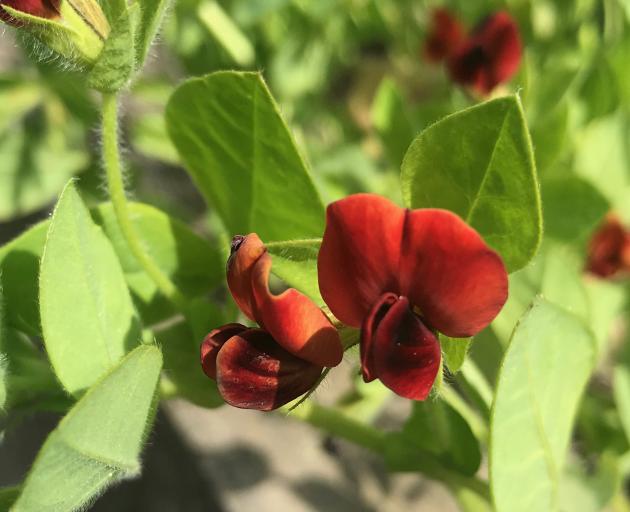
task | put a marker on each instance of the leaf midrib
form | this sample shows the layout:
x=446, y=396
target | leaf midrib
x=483, y=181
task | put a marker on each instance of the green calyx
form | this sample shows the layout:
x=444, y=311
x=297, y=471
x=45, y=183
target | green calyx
x=78, y=34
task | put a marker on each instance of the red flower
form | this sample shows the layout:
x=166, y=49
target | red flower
x=48, y=9
x=609, y=249
x=489, y=56
x=402, y=276
x=268, y=367
x=445, y=36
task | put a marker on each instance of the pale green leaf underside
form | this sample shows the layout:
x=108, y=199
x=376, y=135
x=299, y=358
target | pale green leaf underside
x=479, y=164
x=88, y=319
x=544, y=373
x=99, y=441
x=230, y=135
x=295, y=262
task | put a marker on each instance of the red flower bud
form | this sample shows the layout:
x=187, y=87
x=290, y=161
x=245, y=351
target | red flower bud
x=489, y=56
x=48, y=9
x=254, y=372
x=266, y=368
x=609, y=249
x=445, y=36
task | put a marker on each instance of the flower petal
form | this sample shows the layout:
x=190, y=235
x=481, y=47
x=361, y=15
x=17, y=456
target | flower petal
x=254, y=372
x=294, y=320
x=449, y=272
x=490, y=56
x=246, y=250
x=405, y=353
x=213, y=342
x=445, y=35
x=368, y=329
x=358, y=259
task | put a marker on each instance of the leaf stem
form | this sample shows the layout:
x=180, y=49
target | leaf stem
x=116, y=186
x=335, y=422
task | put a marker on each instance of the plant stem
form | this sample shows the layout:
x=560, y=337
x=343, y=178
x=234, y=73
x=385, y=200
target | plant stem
x=335, y=422
x=116, y=186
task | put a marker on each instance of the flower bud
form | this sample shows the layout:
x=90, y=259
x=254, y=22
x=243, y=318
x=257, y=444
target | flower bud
x=76, y=29
x=254, y=372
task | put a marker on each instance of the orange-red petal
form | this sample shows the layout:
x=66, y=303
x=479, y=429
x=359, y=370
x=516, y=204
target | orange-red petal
x=449, y=273
x=254, y=372
x=359, y=255
x=372, y=247
x=295, y=321
x=490, y=56
x=399, y=349
x=213, y=342
x=446, y=34
x=246, y=250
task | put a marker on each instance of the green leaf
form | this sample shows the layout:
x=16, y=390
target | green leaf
x=182, y=366
x=390, y=116
x=437, y=430
x=590, y=490
x=4, y=364
x=195, y=265
x=152, y=14
x=478, y=163
x=116, y=63
x=238, y=149
x=454, y=351
x=544, y=372
x=295, y=262
x=39, y=150
x=603, y=146
x=621, y=388
x=573, y=207
x=226, y=33
x=99, y=441
x=19, y=274
x=8, y=495
x=88, y=319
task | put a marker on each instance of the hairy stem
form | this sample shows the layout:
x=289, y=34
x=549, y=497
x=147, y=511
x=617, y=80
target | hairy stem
x=116, y=186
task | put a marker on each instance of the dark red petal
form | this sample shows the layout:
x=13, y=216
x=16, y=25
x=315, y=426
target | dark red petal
x=213, y=342
x=245, y=253
x=449, y=272
x=405, y=353
x=358, y=259
x=608, y=249
x=254, y=372
x=368, y=329
x=490, y=56
x=295, y=321
x=48, y=9
x=445, y=36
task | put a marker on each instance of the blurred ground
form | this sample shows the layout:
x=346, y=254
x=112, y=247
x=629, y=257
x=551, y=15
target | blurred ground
x=228, y=460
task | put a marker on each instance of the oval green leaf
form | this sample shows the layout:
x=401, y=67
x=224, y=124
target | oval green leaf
x=88, y=318
x=479, y=164
x=230, y=135
x=544, y=372
x=99, y=441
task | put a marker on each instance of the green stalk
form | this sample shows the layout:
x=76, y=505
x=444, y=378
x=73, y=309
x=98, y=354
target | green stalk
x=335, y=422
x=116, y=186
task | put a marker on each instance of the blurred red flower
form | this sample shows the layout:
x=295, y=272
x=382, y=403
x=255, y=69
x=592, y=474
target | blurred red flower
x=488, y=56
x=609, y=249
x=48, y=9
x=445, y=36
x=266, y=368
x=402, y=276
